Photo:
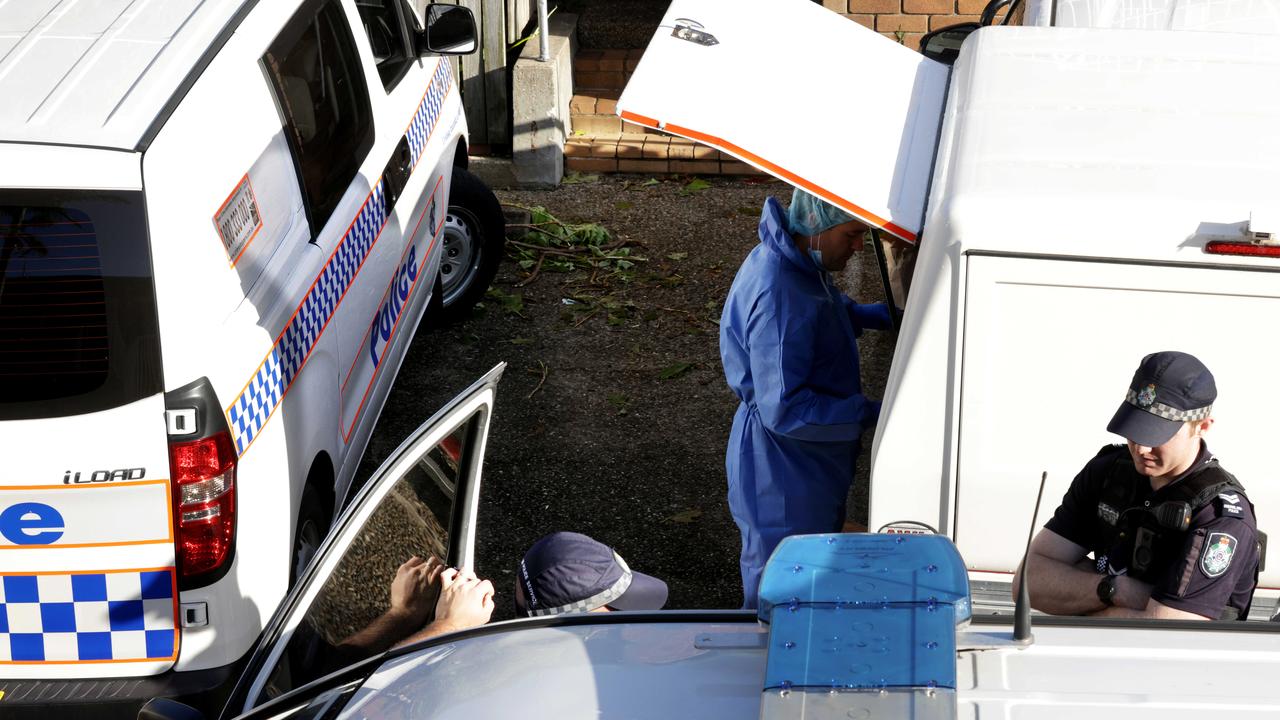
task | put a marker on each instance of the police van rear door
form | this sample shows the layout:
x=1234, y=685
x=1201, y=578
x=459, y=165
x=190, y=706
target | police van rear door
x=801, y=93
x=87, y=580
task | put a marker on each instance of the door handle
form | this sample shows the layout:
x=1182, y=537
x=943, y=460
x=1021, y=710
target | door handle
x=396, y=174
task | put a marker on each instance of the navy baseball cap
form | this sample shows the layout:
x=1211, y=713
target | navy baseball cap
x=568, y=572
x=1170, y=388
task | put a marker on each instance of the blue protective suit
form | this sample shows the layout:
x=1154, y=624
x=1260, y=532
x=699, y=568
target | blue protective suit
x=787, y=341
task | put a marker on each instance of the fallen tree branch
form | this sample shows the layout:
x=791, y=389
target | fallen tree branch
x=540, y=381
x=534, y=273
x=587, y=317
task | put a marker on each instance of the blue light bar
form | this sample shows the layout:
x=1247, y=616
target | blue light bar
x=863, y=612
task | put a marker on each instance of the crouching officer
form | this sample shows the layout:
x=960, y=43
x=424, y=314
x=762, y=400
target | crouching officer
x=1171, y=532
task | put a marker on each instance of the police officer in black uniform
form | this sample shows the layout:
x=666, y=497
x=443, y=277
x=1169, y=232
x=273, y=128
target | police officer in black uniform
x=1171, y=534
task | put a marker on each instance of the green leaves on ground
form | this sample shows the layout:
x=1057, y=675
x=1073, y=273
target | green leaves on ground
x=619, y=401
x=553, y=245
x=695, y=185
x=674, y=371
x=510, y=302
x=685, y=517
x=677, y=256
x=579, y=308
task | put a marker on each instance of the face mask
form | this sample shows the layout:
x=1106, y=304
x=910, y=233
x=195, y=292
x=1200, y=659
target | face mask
x=817, y=258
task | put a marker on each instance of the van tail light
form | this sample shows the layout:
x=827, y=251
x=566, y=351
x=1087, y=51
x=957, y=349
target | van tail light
x=203, y=477
x=1227, y=247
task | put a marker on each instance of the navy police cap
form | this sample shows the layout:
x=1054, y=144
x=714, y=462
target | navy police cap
x=568, y=572
x=1169, y=389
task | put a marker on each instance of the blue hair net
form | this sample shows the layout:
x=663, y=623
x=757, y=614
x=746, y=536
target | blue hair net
x=810, y=215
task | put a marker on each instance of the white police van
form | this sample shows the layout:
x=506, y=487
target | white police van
x=220, y=224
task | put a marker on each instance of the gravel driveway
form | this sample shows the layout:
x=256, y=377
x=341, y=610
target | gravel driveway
x=613, y=414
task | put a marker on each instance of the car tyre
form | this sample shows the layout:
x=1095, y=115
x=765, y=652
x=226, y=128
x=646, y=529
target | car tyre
x=313, y=525
x=474, y=236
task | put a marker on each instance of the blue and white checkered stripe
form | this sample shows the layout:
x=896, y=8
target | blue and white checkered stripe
x=428, y=112
x=259, y=399
x=87, y=617
x=251, y=410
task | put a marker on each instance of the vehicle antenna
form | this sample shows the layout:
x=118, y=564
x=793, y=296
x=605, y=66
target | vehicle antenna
x=1022, y=609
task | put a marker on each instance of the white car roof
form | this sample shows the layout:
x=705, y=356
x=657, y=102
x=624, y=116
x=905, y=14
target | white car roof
x=99, y=73
x=1245, y=16
x=716, y=670
x=1108, y=143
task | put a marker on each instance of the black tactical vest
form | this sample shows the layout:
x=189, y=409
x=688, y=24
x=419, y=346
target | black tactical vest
x=1154, y=532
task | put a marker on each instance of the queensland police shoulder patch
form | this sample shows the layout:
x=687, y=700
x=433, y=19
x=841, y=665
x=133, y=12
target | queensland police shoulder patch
x=1216, y=557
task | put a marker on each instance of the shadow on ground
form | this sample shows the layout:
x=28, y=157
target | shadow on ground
x=613, y=415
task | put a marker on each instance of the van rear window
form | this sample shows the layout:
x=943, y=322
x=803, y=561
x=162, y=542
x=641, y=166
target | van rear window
x=78, y=329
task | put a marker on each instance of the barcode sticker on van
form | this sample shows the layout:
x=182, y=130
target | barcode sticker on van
x=238, y=220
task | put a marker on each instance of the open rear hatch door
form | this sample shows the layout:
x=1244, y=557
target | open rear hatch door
x=801, y=93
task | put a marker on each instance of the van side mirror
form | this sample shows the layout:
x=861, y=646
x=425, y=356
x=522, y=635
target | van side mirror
x=166, y=709
x=944, y=44
x=451, y=30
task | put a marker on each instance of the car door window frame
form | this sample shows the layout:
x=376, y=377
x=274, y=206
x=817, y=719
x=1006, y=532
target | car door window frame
x=476, y=400
x=345, y=165
x=408, y=57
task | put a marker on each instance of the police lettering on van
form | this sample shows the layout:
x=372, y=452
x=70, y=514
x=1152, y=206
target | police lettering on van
x=385, y=320
x=384, y=323
x=31, y=523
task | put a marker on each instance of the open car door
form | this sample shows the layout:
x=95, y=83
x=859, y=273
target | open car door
x=803, y=94
x=422, y=501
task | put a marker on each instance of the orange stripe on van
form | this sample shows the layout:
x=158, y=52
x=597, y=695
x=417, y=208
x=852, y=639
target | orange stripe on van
x=168, y=504
x=86, y=486
x=91, y=572
x=774, y=169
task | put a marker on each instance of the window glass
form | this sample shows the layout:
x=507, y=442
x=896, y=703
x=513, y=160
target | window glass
x=348, y=620
x=78, y=328
x=320, y=86
x=382, y=24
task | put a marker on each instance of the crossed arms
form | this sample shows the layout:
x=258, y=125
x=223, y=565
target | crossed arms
x=1062, y=581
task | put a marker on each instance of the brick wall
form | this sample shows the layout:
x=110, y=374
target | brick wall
x=907, y=20
x=601, y=142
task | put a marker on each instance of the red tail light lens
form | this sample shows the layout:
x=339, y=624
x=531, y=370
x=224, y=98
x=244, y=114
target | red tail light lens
x=203, y=476
x=1224, y=247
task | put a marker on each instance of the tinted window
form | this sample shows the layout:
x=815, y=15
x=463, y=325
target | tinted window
x=383, y=24
x=320, y=86
x=78, y=329
x=413, y=518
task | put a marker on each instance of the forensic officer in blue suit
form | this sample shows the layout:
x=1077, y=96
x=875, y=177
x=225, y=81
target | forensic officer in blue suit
x=788, y=341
